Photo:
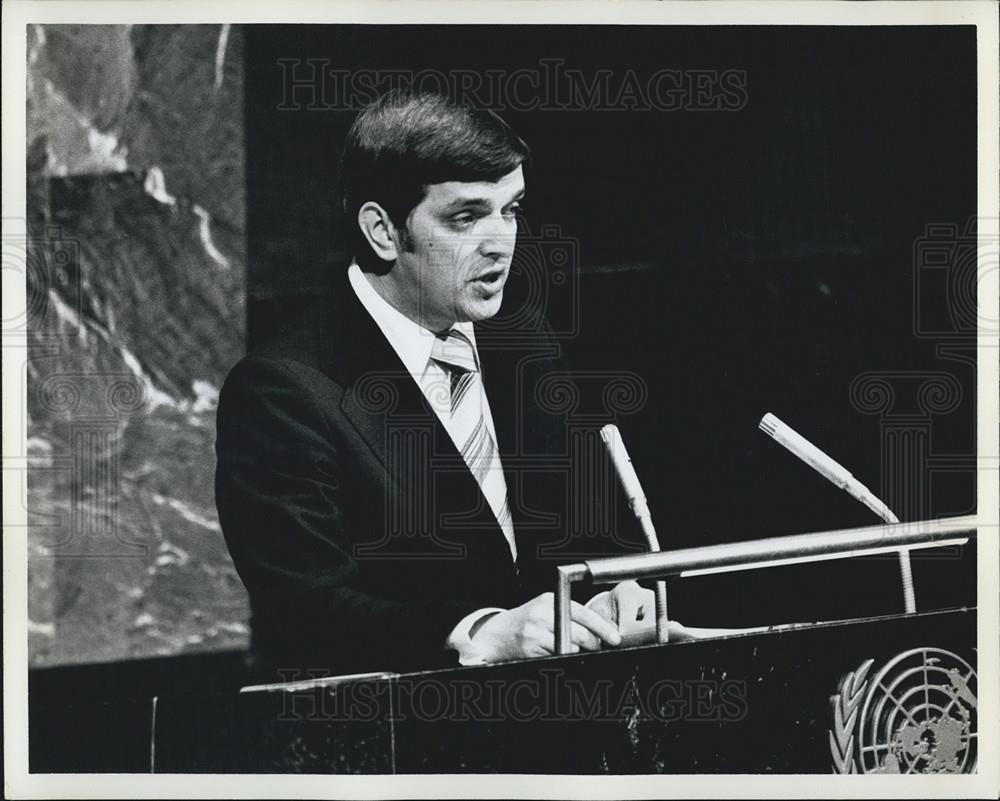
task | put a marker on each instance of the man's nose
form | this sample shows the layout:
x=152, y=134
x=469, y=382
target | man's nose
x=499, y=237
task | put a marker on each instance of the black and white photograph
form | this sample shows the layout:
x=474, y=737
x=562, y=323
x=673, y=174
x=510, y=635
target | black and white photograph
x=500, y=400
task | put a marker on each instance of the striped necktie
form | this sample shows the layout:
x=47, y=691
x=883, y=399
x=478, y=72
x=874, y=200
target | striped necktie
x=456, y=354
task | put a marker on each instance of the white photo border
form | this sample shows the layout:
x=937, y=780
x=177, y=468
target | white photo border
x=17, y=14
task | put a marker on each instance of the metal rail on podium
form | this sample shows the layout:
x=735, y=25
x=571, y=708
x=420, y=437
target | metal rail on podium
x=753, y=554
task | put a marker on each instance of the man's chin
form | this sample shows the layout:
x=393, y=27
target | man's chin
x=483, y=309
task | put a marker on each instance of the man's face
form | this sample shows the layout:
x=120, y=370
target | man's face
x=453, y=265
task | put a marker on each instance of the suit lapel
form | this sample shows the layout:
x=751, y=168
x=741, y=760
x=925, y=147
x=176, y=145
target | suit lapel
x=381, y=396
x=499, y=365
x=378, y=390
x=513, y=366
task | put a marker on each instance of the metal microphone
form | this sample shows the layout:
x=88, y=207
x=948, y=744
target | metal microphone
x=831, y=470
x=836, y=473
x=629, y=481
x=637, y=503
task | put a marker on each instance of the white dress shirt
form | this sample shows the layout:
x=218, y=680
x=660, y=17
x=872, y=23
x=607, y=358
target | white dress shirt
x=412, y=343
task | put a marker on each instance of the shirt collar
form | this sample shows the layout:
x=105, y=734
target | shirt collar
x=411, y=341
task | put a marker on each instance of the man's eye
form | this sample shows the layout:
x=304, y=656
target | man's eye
x=463, y=219
x=513, y=211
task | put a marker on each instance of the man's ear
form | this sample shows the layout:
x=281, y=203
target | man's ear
x=378, y=230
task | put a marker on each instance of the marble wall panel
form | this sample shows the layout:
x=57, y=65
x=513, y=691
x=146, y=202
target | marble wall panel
x=136, y=286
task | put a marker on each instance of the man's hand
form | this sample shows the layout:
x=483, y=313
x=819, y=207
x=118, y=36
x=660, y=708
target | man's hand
x=629, y=606
x=528, y=631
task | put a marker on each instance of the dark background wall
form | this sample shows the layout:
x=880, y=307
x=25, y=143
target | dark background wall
x=722, y=263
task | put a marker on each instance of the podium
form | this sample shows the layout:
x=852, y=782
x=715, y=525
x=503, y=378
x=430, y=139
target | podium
x=889, y=694
x=810, y=700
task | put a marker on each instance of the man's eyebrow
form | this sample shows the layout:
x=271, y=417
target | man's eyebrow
x=465, y=203
x=476, y=203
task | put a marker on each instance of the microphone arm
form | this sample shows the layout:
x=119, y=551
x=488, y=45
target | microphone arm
x=637, y=503
x=836, y=473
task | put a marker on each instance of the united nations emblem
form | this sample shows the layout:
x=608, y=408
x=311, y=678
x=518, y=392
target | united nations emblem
x=916, y=715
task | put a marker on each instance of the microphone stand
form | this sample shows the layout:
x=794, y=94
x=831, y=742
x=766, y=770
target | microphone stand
x=646, y=522
x=637, y=503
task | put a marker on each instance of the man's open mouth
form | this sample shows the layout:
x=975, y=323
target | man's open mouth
x=491, y=277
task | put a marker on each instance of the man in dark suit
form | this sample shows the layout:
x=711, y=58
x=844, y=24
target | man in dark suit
x=374, y=461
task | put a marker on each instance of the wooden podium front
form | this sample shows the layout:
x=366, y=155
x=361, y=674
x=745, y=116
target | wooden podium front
x=890, y=694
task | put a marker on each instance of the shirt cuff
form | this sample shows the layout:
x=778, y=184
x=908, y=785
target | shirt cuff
x=460, y=640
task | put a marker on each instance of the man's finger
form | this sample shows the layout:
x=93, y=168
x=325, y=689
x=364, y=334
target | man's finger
x=542, y=645
x=604, y=629
x=584, y=638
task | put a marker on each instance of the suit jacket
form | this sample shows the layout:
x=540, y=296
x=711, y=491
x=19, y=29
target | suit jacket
x=360, y=534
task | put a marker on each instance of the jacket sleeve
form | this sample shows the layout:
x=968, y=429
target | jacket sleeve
x=280, y=499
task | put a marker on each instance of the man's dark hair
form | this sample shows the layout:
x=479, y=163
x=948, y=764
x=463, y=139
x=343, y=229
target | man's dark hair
x=403, y=142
